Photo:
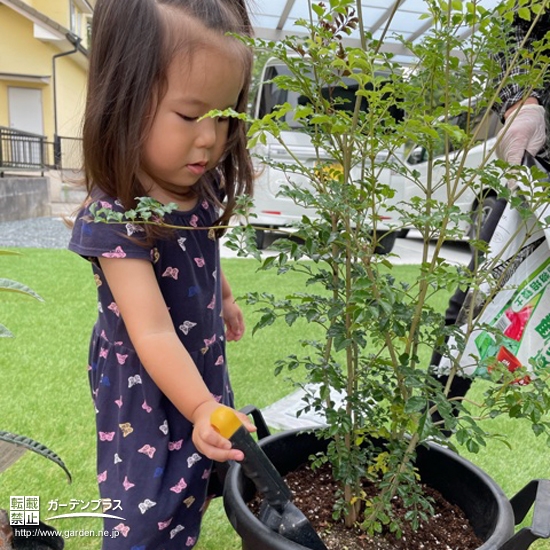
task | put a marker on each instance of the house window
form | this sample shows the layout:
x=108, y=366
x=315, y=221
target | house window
x=76, y=18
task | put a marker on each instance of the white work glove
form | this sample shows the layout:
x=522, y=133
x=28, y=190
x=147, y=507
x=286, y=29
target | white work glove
x=523, y=131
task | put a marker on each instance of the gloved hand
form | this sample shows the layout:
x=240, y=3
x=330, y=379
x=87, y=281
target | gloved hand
x=523, y=131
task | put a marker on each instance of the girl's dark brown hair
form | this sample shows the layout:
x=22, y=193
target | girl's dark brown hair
x=129, y=60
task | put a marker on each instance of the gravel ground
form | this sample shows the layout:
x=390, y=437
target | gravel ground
x=35, y=233
x=48, y=233
x=53, y=233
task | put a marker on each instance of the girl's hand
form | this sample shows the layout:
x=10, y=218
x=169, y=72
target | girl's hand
x=233, y=318
x=208, y=441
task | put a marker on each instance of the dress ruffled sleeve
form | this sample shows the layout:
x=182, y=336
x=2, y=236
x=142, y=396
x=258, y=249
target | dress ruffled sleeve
x=93, y=239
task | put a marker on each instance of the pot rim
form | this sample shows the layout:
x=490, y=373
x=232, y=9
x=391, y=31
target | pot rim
x=233, y=498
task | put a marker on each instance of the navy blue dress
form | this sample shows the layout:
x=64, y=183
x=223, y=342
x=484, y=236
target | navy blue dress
x=147, y=465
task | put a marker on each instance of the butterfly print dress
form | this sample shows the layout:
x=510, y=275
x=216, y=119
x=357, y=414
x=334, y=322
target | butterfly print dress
x=146, y=459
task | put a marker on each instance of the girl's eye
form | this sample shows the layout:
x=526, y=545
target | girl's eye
x=188, y=118
x=195, y=118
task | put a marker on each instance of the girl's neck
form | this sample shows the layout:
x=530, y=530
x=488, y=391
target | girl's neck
x=186, y=198
x=185, y=201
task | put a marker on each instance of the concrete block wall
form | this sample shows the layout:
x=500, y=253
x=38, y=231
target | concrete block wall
x=24, y=197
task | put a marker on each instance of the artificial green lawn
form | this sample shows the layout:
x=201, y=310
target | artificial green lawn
x=44, y=390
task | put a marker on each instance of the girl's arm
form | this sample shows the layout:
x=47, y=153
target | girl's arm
x=231, y=312
x=145, y=314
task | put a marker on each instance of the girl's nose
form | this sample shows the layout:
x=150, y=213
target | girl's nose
x=206, y=132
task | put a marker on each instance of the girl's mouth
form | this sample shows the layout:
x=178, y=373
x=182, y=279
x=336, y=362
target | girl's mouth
x=197, y=169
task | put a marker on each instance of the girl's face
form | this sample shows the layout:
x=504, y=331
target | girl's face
x=179, y=147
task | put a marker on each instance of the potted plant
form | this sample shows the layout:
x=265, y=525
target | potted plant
x=39, y=536
x=369, y=119
x=366, y=117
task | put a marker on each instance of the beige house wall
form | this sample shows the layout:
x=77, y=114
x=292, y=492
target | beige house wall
x=26, y=61
x=21, y=54
x=58, y=11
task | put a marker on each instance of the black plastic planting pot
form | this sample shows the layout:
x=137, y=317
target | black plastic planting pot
x=492, y=515
x=37, y=537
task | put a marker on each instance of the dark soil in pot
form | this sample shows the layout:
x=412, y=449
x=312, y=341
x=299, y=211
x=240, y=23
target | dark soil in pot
x=314, y=494
x=460, y=482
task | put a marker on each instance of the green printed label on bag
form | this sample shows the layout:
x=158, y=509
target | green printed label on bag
x=513, y=326
x=520, y=319
x=533, y=286
x=543, y=328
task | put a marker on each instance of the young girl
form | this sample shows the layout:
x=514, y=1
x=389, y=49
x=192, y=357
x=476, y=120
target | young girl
x=157, y=358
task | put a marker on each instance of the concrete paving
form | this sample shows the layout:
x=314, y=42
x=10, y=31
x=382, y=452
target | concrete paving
x=406, y=251
x=284, y=414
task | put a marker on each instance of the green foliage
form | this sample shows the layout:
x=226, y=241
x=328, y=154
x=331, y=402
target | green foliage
x=363, y=113
x=35, y=447
x=7, y=285
x=147, y=210
x=374, y=327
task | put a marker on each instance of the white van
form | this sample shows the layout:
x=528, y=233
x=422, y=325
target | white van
x=273, y=211
x=476, y=201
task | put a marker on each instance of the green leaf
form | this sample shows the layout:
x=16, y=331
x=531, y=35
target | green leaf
x=5, y=332
x=524, y=13
x=291, y=317
x=35, y=447
x=7, y=285
x=415, y=404
x=319, y=10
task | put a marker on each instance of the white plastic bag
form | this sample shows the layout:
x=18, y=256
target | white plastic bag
x=519, y=313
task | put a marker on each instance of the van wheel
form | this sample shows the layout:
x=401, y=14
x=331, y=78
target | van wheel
x=480, y=215
x=385, y=242
x=260, y=239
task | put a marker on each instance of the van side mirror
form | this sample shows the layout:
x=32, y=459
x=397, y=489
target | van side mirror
x=417, y=155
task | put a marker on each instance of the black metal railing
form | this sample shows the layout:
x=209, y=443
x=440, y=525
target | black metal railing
x=21, y=150
x=32, y=152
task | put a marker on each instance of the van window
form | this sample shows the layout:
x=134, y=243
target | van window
x=343, y=96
